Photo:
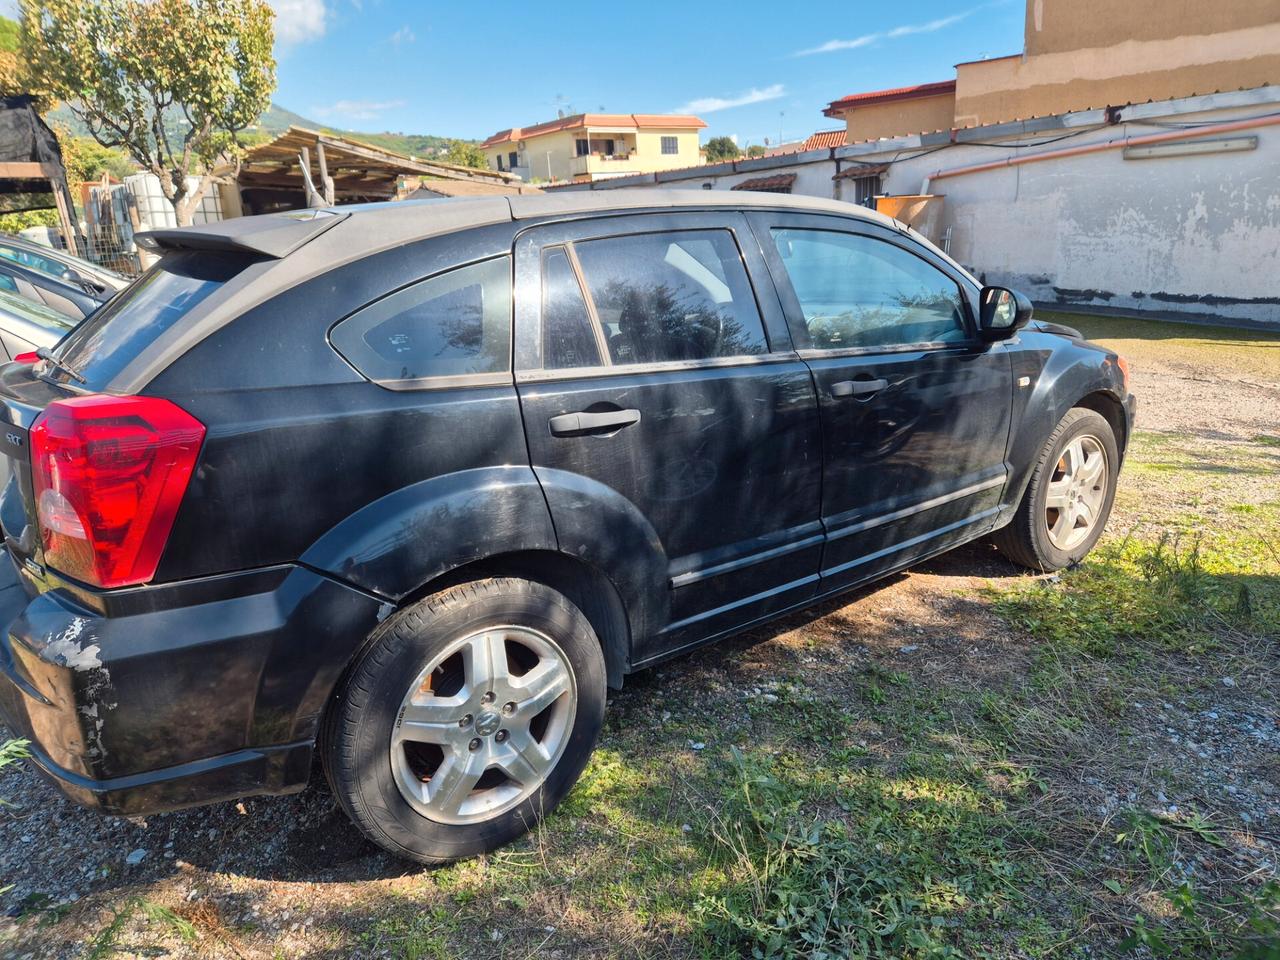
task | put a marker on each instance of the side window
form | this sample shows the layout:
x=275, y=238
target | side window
x=453, y=324
x=856, y=291
x=568, y=338
x=672, y=296
x=670, y=146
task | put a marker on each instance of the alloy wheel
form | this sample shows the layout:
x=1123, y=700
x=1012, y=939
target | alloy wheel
x=483, y=725
x=1076, y=493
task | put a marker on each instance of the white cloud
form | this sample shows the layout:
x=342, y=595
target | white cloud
x=298, y=21
x=906, y=30
x=712, y=104
x=356, y=109
x=403, y=35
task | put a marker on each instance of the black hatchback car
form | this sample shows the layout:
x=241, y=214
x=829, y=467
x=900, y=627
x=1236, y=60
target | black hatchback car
x=411, y=485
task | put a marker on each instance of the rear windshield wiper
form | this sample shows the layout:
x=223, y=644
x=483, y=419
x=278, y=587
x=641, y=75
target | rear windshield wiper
x=44, y=354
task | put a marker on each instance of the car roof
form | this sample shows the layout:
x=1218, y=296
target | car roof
x=365, y=228
x=290, y=248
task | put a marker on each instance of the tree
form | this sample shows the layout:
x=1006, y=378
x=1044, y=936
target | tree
x=756, y=150
x=86, y=159
x=172, y=82
x=721, y=148
x=462, y=153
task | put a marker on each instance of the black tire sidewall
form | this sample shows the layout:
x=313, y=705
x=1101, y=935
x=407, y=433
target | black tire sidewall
x=1083, y=422
x=363, y=770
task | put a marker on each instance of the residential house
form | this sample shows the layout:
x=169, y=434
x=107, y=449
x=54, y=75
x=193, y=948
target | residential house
x=1128, y=160
x=595, y=146
x=896, y=112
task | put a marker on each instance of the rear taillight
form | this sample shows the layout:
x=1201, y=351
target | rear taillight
x=29, y=357
x=109, y=473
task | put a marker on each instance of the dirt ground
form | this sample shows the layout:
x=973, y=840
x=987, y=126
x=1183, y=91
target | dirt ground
x=634, y=863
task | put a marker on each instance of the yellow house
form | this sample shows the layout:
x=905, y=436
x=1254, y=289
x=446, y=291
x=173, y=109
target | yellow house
x=596, y=146
x=1082, y=55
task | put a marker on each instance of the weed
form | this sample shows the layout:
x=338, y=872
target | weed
x=910, y=861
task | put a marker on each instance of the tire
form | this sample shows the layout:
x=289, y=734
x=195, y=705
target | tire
x=398, y=760
x=1028, y=540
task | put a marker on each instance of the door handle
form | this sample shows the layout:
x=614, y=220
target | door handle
x=857, y=388
x=605, y=421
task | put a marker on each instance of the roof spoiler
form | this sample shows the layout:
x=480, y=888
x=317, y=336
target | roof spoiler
x=274, y=235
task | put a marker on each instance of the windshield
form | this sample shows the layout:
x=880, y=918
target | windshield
x=107, y=340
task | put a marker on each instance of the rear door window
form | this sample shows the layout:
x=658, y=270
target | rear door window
x=455, y=324
x=679, y=296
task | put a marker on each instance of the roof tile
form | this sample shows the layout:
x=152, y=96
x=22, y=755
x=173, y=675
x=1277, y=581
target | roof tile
x=581, y=120
x=836, y=107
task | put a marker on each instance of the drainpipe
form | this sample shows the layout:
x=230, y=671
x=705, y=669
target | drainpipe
x=1185, y=134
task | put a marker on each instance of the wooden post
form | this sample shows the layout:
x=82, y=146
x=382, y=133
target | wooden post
x=65, y=218
x=326, y=184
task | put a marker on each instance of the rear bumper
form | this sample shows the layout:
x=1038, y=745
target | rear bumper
x=176, y=695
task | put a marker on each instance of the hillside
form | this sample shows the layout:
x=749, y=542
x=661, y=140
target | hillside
x=277, y=119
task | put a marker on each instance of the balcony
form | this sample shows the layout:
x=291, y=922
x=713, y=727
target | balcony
x=604, y=165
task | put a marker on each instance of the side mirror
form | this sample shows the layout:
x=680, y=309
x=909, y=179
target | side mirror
x=1004, y=313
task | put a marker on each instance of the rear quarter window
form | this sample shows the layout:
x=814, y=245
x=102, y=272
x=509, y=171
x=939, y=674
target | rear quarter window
x=107, y=340
x=455, y=324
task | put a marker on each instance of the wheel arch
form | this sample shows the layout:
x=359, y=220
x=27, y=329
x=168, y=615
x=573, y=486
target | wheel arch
x=1105, y=404
x=584, y=585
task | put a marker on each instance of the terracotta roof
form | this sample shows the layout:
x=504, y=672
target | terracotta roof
x=861, y=170
x=778, y=183
x=824, y=139
x=837, y=107
x=581, y=120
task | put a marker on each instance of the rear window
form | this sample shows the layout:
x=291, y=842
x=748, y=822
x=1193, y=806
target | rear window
x=107, y=340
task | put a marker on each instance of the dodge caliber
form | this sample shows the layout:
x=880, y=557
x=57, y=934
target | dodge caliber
x=409, y=487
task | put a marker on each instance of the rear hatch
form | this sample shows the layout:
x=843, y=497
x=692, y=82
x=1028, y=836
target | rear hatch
x=24, y=398
x=107, y=431
x=90, y=361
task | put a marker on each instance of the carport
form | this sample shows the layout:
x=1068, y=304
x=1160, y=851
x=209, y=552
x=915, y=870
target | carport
x=32, y=176
x=309, y=168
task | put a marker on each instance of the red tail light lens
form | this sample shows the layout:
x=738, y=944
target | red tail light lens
x=109, y=473
x=28, y=357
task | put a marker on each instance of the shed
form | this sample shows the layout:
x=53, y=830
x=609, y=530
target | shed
x=302, y=168
x=32, y=176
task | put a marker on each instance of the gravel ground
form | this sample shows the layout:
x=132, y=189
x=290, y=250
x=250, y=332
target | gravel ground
x=287, y=876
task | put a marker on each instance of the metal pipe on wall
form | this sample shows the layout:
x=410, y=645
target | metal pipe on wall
x=1182, y=134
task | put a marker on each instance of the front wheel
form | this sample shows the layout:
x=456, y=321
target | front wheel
x=1069, y=497
x=468, y=718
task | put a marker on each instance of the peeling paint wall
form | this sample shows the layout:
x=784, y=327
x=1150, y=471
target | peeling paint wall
x=1189, y=234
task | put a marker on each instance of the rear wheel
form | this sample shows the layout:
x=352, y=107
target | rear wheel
x=1069, y=497
x=466, y=720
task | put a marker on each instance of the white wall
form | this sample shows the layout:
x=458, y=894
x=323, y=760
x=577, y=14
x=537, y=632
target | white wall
x=1197, y=236
x=1191, y=234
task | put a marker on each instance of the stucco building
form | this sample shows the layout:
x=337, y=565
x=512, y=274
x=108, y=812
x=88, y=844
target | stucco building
x=1128, y=160
x=595, y=146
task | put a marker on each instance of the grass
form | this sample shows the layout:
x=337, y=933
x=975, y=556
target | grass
x=1009, y=789
x=1214, y=351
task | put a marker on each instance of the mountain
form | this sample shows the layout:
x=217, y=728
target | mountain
x=276, y=120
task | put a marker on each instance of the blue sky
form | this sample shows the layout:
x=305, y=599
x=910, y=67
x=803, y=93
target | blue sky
x=751, y=70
